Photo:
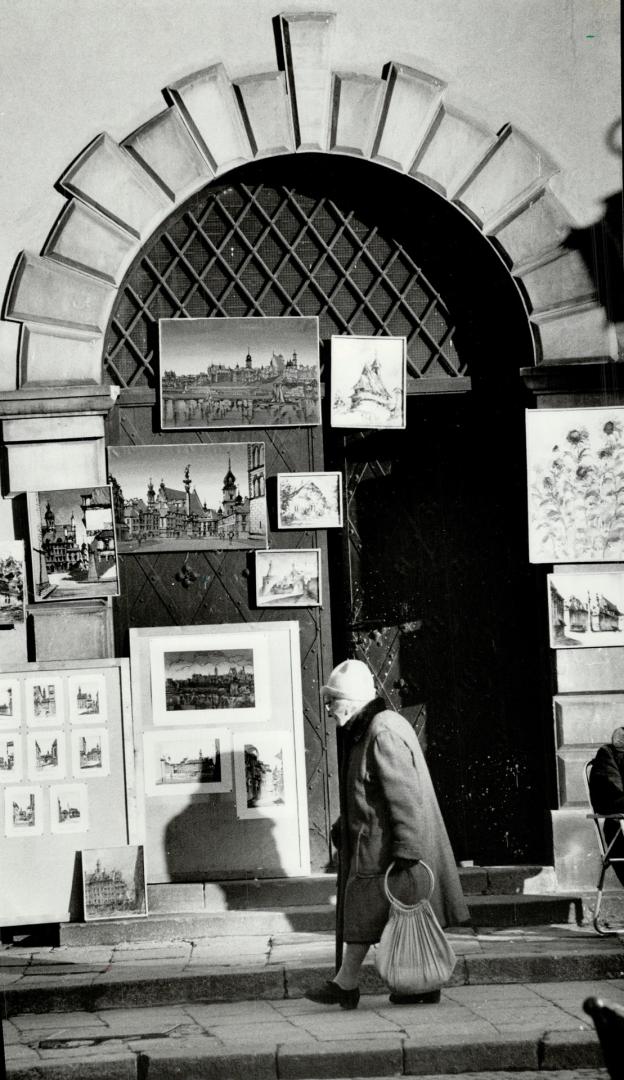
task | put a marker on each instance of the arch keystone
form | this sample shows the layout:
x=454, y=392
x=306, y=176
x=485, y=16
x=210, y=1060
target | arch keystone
x=356, y=107
x=306, y=42
x=88, y=241
x=167, y=151
x=410, y=104
x=208, y=104
x=267, y=118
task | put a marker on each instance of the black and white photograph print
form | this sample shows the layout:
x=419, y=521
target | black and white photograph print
x=288, y=577
x=197, y=497
x=193, y=762
x=12, y=599
x=87, y=698
x=11, y=768
x=113, y=883
x=72, y=544
x=368, y=382
x=23, y=811
x=10, y=703
x=586, y=609
x=90, y=753
x=44, y=700
x=46, y=754
x=209, y=678
x=239, y=372
x=311, y=500
x=264, y=766
x=69, y=808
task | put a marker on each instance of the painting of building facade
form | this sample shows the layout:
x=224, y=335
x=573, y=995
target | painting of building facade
x=113, y=883
x=309, y=500
x=73, y=549
x=288, y=577
x=586, y=610
x=23, y=811
x=187, y=762
x=368, y=382
x=189, y=498
x=265, y=775
x=12, y=598
x=239, y=372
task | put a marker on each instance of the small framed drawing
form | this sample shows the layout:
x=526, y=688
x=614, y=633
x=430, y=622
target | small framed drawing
x=10, y=703
x=90, y=753
x=368, y=382
x=46, y=754
x=113, y=883
x=586, y=609
x=44, y=701
x=309, y=500
x=68, y=808
x=209, y=678
x=11, y=767
x=288, y=577
x=87, y=698
x=264, y=769
x=196, y=762
x=23, y=811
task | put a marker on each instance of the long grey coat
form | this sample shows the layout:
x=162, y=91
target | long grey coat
x=389, y=810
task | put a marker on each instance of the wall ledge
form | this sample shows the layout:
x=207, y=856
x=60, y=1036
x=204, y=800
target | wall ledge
x=31, y=401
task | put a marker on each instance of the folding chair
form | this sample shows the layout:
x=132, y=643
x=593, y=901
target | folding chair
x=605, y=848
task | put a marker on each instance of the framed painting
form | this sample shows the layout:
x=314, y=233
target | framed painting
x=194, y=762
x=586, y=609
x=90, y=753
x=72, y=544
x=209, y=678
x=10, y=703
x=264, y=768
x=288, y=577
x=44, y=700
x=575, y=463
x=309, y=500
x=87, y=698
x=368, y=382
x=46, y=754
x=113, y=883
x=198, y=497
x=11, y=767
x=23, y=811
x=239, y=372
x=12, y=601
x=68, y=808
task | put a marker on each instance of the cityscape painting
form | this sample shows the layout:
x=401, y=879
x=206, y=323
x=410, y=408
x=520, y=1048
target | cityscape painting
x=10, y=703
x=239, y=372
x=586, y=609
x=10, y=758
x=90, y=755
x=288, y=577
x=189, y=497
x=87, y=698
x=46, y=755
x=368, y=382
x=195, y=762
x=44, y=701
x=113, y=883
x=309, y=500
x=12, y=602
x=23, y=812
x=72, y=544
x=265, y=774
x=68, y=808
x=209, y=678
x=575, y=464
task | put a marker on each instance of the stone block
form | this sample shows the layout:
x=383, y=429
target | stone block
x=590, y=670
x=39, y=466
x=44, y=291
x=167, y=151
x=109, y=1066
x=513, y=171
x=541, y=226
x=587, y=720
x=9, y=350
x=89, y=241
x=571, y=1050
x=48, y=357
x=381, y=1057
x=570, y=776
x=208, y=104
x=306, y=42
x=442, y=1054
x=577, y=859
x=167, y=899
x=266, y=113
x=356, y=107
x=474, y=880
x=199, y=1060
x=85, y=632
x=576, y=332
x=410, y=105
x=451, y=150
x=559, y=282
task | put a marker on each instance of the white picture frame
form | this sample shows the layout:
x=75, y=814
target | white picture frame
x=90, y=752
x=87, y=698
x=309, y=500
x=114, y=883
x=11, y=762
x=368, y=382
x=264, y=772
x=23, y=811
x=46, y=754
x=289, y=577
x=69, y=808
x=189, y=679
x=196, y=761
x=586, y=609
x=10, y=703
x=45, y=701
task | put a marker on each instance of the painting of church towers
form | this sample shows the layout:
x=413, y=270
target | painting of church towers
x=189, y=497
x=73, y=548
x=368, y=382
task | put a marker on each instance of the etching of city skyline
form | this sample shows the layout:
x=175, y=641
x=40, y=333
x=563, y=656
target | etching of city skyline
x=214, y=679
x=181, y=497
x=239, y=372
x=72, y=541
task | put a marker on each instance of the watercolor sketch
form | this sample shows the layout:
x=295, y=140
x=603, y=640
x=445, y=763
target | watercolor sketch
x=87, y=698
x=90, y=753
x=586, y=609
x=368, y=382
x=239, y=372
x=44, y=701
x=113, y=883
x=68, y=808
x=72, y=543
x=196, y=762
x=46, y=754
x=575, y=463
x=10, y=757
x=10, y=703
x=265, y=774
x=23, y=811
x=12, y=602
x=309, y=500
x=189, y=497
x=288, y=577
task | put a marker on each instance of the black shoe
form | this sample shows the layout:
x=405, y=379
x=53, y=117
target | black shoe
x=332, y=994
x=430, y=998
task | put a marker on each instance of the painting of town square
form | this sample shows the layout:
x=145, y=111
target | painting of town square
x=239, y=372
x=23, y=811
x=72, y=543
x=10, y=702
x=368, y=382
x=68, y=808
x=189, y=497
x=264, y=770
x=309, y=500
x=288, y=577
x=12, y=602
x=209, y=678
x=113, y=883
x=44, y=701
x=575, y=460
x=10, y=758
x=586, y=609
x=90, y=757
x=87, y=698
x=46, y=755
x=187, y=762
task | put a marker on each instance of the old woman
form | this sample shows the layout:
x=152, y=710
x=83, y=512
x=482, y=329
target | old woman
x=389, y=813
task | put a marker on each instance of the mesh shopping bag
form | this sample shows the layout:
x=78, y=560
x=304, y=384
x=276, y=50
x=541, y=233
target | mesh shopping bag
x=414, y=955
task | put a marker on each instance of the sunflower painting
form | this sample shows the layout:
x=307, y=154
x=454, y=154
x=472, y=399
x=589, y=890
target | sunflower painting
x=576, y=485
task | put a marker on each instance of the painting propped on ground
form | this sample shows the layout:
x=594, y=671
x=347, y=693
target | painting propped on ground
x=586, y=609
x=72, y=544
x=113, y=883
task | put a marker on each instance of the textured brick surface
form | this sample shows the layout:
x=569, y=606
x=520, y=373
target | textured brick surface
x=570, y=1050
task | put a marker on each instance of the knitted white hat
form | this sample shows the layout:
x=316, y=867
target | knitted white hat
x=352, y=680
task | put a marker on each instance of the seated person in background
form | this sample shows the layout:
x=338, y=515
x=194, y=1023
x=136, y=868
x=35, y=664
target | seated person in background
x=606, y=791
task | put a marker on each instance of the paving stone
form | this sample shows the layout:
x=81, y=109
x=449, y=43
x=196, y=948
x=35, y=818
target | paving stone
x=234, y=1012
x=381, y=1057
x=121, y=1066
x=145, y=1021
x=196, y=1061
x=106, y=1049
x=15, y=1052
x=324, y=1024
x=28, y=1021
x=442, y=1055
x=254, y=1034
x=571, y=1049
